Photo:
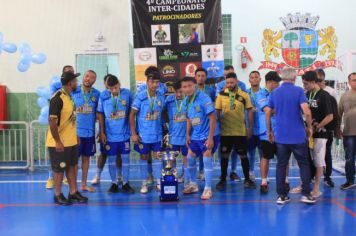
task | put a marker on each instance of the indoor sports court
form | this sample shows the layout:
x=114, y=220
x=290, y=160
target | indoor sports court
x=177, y=117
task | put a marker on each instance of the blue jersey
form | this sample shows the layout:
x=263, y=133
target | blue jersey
x=263, y=102
x=177, y=120
x=85, y=106
x=162, y=88
x=149, y=116
x=257, y=98
x=220, y=87
x=116, y=113
x=198, y=111
x=210, y=91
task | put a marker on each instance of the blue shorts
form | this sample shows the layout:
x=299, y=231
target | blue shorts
x=198, y=146
x=180, y=148
x=87, y=147
x=146, y=148
x=113, y=148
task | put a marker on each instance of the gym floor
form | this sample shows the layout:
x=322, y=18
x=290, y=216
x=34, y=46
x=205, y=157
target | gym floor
x=26, y=208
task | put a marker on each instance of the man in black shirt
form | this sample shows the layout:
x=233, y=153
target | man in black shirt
x=322, y=114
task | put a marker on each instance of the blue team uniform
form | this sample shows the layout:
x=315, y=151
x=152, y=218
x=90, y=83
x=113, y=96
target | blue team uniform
x=86, y=104
x=149, y=121
x=198, y=111
x=177, y=123
x=116, y=113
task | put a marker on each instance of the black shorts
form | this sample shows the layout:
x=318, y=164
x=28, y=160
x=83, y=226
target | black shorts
x=239, y=143
x=60, y=161
x=268, y=149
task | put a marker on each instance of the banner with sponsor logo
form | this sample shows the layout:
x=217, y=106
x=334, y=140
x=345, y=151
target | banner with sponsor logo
x=177, y=36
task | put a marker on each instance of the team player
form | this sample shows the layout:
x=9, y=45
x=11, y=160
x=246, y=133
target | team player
x=147, y=134
x=86, y=99
x=113, y=113
x=268, y=148
x=200, y=135
x=230, y=106
x=177, y=117
x=200, y=77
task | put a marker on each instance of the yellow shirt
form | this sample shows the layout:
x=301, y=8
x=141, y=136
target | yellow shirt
x=62, y=108
x=233, y=113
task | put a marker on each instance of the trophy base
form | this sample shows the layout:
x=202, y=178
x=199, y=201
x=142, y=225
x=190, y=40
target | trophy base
x=169, y=189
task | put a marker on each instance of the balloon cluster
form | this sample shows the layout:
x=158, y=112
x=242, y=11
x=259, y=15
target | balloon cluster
x=44, y=95
x=27, y=57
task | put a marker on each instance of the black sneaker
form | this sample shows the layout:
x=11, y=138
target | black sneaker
x=282, y=199
x=264, y=189
x=309, y=199
x=221, y=185
x=61, y=200
x=234, y=177
x=249, y=183
x=347, y=185
x=126, y=188
x=328, y=182
x=287, y=187
x=77, y=197
x=113, y=188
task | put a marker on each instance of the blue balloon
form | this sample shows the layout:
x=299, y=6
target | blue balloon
x=26, y=58
x=25, y=48
x=42, y=102
x=23, y=66
x=43, y=120
x=39, y=58
x=9, y=47
x=44, y=111
x=47, y=93
x=55, y=84
x=40, y=91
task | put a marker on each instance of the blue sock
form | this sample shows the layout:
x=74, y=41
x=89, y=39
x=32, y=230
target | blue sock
x=157, y=168
x=50, y=174
x=201, y=163
x=125, y=167
x=186, y=176
x=192, y=168
x=150, y=168
x=251, y=159
x=143, y=169
x=98, y=171
x=233, y=161
x=112, y=169
x=208, y=170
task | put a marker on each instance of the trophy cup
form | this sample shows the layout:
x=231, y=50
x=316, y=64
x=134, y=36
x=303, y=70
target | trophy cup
x=169, y=181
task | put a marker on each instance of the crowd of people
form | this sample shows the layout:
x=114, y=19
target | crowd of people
x=199, y=119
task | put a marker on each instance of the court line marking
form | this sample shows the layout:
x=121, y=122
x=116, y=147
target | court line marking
x=332, y=200
x=136, y=180
x=343, y=207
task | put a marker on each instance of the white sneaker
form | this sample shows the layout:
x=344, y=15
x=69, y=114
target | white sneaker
x=158, y=187
x=149, y=179
x=144, y=189
x=191, y=188
x=201, y=176
x=181, y=178
x=207, y=194
x=95, y=180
